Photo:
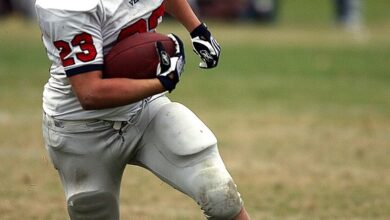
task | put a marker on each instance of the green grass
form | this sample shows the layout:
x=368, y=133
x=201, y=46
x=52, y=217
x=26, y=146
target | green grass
x=301, y=111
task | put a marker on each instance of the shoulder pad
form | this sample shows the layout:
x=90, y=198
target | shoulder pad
x=68, y=5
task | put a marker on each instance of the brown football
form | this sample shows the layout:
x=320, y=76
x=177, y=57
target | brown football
x=136, y=56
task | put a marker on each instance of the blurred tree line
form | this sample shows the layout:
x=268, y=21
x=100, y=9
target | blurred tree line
x=23, y=7
x=347, y=12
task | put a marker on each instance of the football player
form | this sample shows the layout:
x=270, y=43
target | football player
x=93, y=127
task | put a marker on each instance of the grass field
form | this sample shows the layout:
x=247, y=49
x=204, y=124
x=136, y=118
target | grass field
x=301, y=110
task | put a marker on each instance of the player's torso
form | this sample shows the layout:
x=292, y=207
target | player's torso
x=107, y=21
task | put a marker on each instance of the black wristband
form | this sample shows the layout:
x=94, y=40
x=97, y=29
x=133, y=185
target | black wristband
x=201, y=30
x=167, y=84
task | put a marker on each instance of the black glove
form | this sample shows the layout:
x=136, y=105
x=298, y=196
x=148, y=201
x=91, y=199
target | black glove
x=170, y=69
x=205, y=46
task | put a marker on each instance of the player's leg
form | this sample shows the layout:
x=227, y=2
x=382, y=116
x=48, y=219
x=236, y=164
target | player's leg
x=86, y=156
x=182, y=151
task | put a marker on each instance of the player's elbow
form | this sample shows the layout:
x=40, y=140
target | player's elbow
x=87, y=88
x=87, y=104
x=89, y=101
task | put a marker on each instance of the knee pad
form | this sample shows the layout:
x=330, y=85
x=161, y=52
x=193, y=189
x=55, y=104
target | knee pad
x=221, y=202
x=94, y=205
x=180, y=134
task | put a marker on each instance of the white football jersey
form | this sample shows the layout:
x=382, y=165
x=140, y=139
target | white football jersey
x=77, y=34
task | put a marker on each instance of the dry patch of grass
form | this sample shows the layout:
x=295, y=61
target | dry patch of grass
x=307, y=167
x=299, y=146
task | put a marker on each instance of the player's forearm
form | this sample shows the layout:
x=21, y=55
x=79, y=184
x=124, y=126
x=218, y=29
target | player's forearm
x=118, y=92
x=96, y=93
x=182, y=11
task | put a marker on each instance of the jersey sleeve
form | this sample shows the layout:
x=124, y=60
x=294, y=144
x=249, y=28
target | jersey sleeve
x=73, y=39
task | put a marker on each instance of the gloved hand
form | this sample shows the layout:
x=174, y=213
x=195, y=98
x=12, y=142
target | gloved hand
x=205, y=46
x=170, y=69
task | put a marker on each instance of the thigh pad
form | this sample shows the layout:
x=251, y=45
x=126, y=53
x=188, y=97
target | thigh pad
x=178, y=130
